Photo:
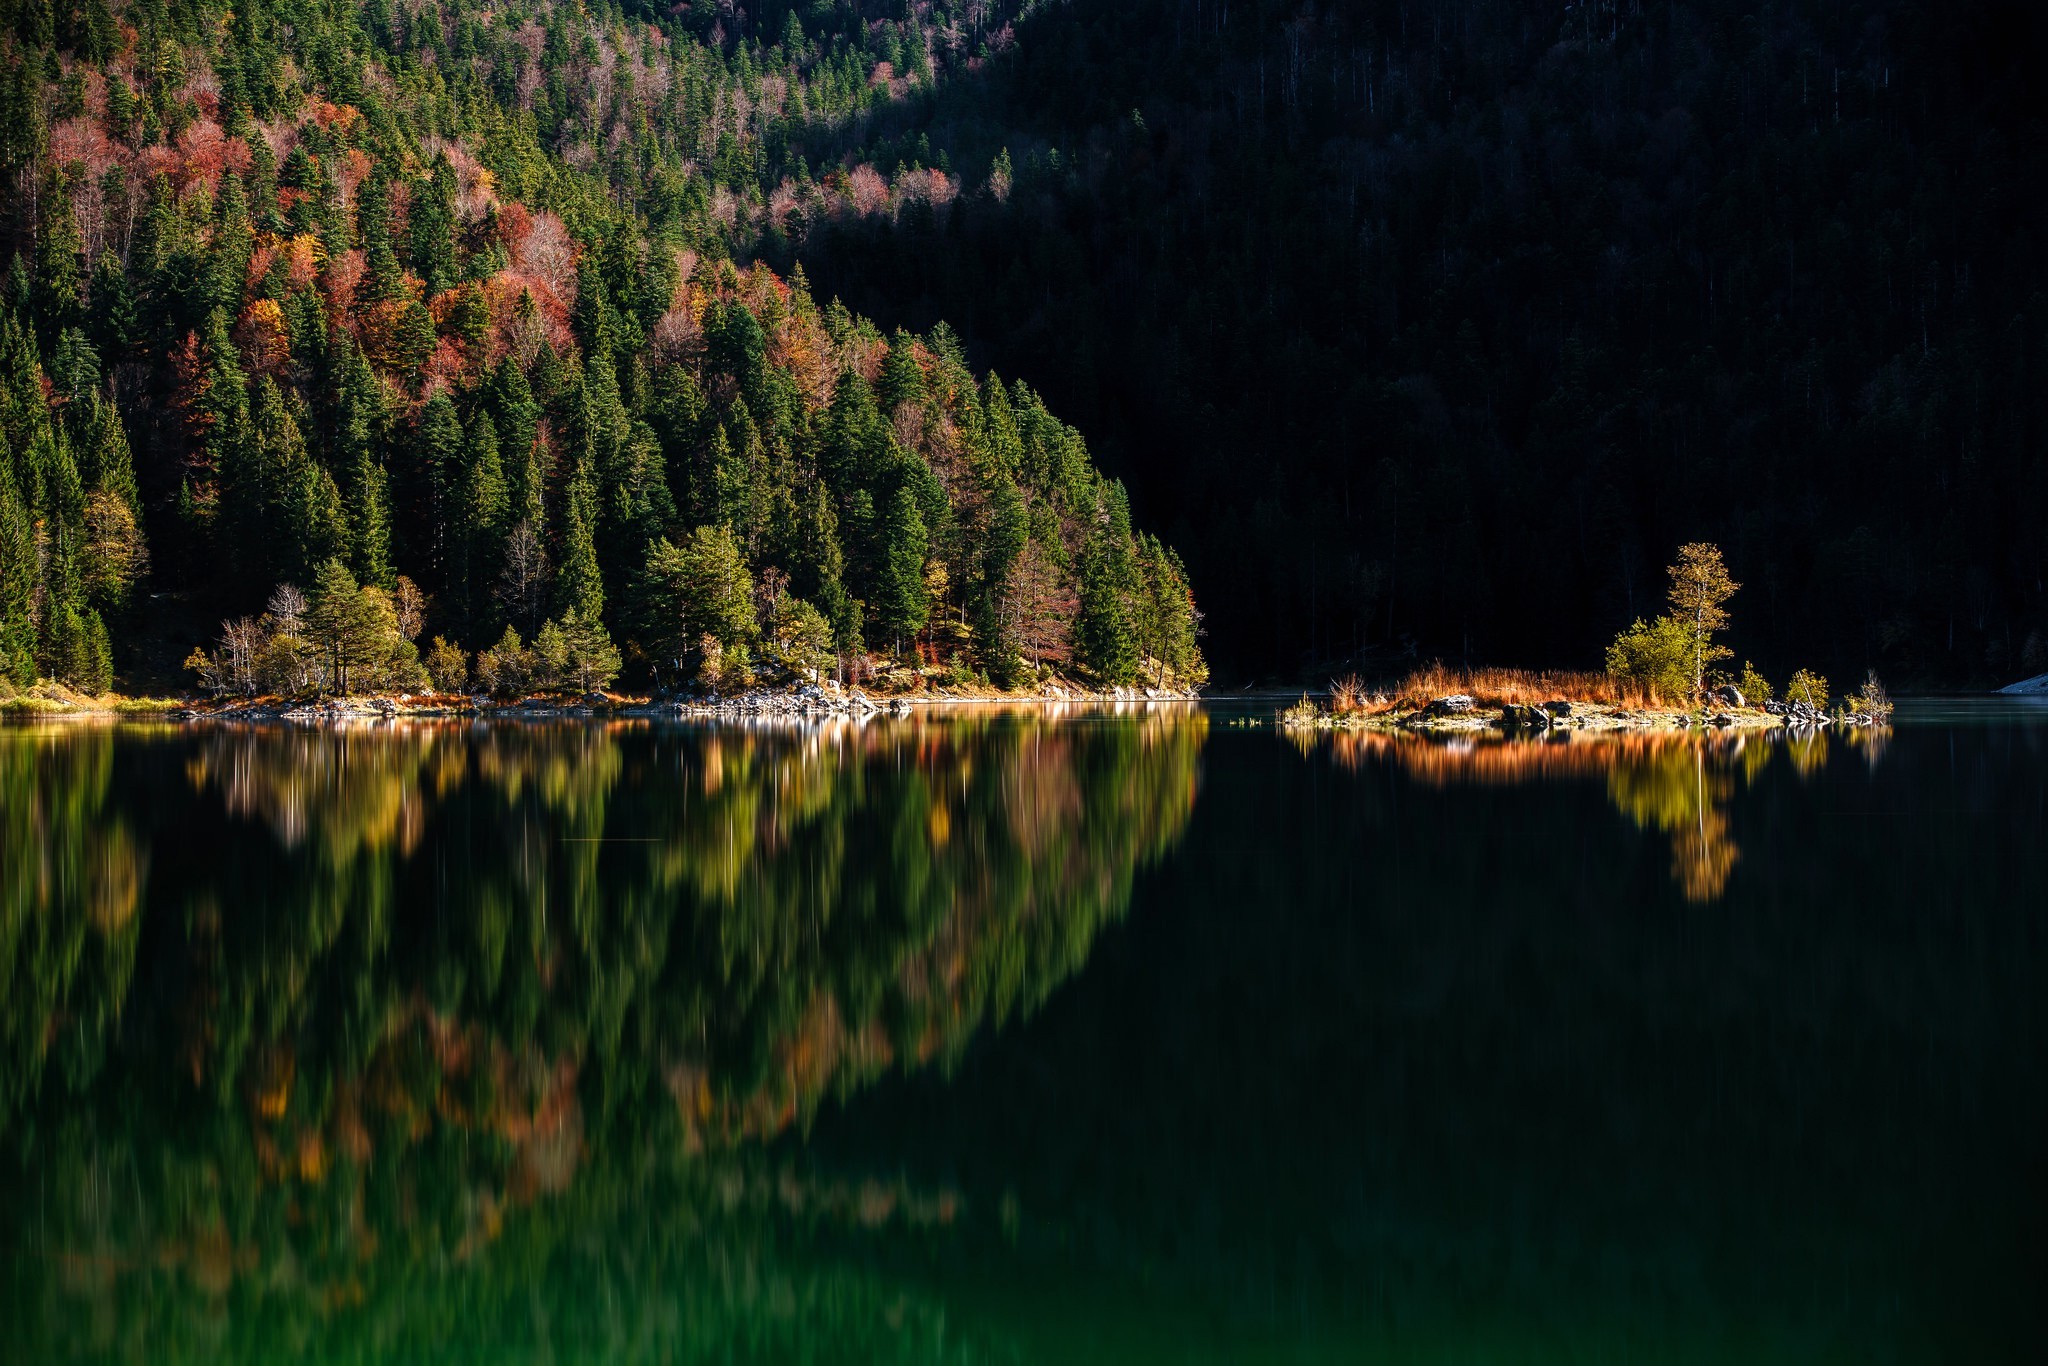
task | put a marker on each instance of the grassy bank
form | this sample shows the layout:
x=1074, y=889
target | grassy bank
x=1443, y=699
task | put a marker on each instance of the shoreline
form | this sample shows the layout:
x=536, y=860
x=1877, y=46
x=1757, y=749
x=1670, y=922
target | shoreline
x=1463, y=715
x=787, y=702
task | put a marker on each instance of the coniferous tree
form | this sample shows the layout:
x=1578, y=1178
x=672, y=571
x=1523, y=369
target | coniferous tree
x=17, y=584
x=1105, y=630
x=578, y=582
x=60, y=262
x=700, y=588
x=432, y=489
x=480, y=523
x=901, y=602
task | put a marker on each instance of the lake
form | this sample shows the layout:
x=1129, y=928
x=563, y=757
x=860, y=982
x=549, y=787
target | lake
x=1022, y=1035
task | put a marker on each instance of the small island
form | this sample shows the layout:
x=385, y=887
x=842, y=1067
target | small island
x=1660, y=675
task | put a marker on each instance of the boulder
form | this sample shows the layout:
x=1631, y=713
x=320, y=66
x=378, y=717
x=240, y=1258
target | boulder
x=1516, y=717
x=1558, y=708
x=1727, y=695
x=1457, y=704
x=1720, y=720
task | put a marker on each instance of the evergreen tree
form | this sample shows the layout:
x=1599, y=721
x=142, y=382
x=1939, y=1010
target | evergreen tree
x=1106, y=629
x=358, y=419
x=578, y=584
x=432, y=489
x=1007, y=529
x=17, y=584
x=902, y=379
x=697, y=589
x=60, y=262
x=480, y=523
x=233, y=243
x=901, y=602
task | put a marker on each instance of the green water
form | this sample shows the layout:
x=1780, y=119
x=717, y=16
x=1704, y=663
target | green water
x=1013, y=1037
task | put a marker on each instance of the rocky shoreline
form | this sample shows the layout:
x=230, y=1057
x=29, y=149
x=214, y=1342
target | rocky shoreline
x=805, y=702
x=1461, y=713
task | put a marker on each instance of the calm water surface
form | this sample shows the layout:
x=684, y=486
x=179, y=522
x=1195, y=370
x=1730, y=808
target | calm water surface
x=1011, y=1037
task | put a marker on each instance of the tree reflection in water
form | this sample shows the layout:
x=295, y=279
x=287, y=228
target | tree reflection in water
x=1677, y=783
x=298, y=1021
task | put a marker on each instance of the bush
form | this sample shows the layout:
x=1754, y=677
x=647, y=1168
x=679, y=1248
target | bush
x=1657, y=655
x=735, y=669
x=799, y=637
x=1871, y=699
x=505, y=668
x=448, y=666
x=1808, y=687
x=1303, y=713
x=1754, y=687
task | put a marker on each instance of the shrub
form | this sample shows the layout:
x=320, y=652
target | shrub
x=1871, y=699
x=1755, y=688
x=1808, y=687
x=505, y=668
x=1658, y=655
x=1302, y=713
x=1347, y=695
x=448, y=666
x=799, y=637
x=736, y=669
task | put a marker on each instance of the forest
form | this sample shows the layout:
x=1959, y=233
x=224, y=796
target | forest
x=1420, y=328
x=1426, y=328
x=333, y=324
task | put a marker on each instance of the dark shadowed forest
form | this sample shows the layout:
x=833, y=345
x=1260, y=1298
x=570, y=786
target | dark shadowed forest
x=1415, y=327
x=1438, y=324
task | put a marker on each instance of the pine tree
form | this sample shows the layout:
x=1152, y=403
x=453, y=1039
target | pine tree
x=510, y=401
x=1106, y=629
x=60, y=262
x=1007, y=529
x=358, y=421
x=233, y=242
x=578, y=584
x=17, y=584
x=481, y=523
x=346, y=623
x=902, y=379
x=699, y=588
x=431, y=489
x=257, y=481
x=431, y=226
x=114, y=322
x=901, y=602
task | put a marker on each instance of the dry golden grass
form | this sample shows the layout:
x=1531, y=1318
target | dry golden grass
x=1500, y=687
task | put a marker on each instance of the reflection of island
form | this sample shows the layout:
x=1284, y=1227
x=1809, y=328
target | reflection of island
x=402, y=994
x=1679, y=784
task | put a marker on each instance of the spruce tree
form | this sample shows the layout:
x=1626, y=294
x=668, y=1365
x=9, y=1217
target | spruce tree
x=17, y=584
x=227, y=258
x=901, y=602
x=1107, y=630
x=578, y=583
x=431, y=490
x=481, y=524
x=60, y=262
x=902, y=380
